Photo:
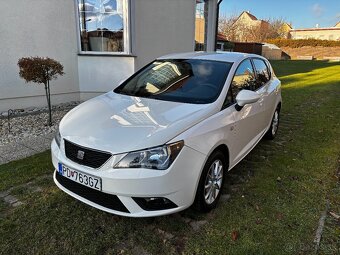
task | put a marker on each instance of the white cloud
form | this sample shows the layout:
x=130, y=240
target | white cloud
x=317, y=10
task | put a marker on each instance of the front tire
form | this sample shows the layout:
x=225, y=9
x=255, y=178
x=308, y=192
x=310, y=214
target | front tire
x=211, y=182
x=274, y=126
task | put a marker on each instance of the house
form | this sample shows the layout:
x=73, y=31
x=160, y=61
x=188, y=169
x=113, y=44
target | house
x=285, y=29
x=99, y=42
x=326, y=33
x=247, y=28
x=222, y=43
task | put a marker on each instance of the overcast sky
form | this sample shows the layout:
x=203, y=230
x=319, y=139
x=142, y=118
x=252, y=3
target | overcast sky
x=301, y=13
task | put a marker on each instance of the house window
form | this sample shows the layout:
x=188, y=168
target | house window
x=103, y=26
x=219, y=46
x=201, y=22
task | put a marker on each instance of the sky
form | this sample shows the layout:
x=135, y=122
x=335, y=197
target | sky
x=301, y=13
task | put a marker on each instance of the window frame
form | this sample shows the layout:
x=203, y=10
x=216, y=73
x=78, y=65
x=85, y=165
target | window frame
x=268, y=70
x=224, y=106
x=116, y=90
x=126, y=35
x=231, y=83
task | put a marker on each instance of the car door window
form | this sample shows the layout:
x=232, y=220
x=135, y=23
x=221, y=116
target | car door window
x=262, y=72
x=244, y=78
x=229, y=99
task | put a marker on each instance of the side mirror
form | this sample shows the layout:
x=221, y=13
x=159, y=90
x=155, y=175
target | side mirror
x=246, y=97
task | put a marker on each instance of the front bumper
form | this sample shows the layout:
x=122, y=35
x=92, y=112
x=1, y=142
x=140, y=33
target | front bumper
x=178, y=183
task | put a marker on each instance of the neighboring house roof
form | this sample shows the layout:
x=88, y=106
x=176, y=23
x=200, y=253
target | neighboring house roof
x=288, y=25
x=251, y=17
x=315, y=29
x=221, y=38
x=271, y=46
x=246, y=13
x=336, y=27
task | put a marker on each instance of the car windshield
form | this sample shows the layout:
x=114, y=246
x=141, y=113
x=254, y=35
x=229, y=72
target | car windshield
x=180, y=80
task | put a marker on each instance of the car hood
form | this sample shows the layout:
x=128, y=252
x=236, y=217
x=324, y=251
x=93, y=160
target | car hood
x=119, y=123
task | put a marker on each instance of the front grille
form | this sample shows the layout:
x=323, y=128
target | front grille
x=92, y=158
x=106, y=200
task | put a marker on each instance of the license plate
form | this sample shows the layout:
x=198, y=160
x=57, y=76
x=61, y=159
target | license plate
x=80, y=177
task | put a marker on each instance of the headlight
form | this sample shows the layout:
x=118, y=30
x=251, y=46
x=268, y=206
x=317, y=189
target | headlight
x=159, y=158
x=57, y=138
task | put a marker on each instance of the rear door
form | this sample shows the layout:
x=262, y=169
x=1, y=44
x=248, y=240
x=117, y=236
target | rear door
x=266, y=88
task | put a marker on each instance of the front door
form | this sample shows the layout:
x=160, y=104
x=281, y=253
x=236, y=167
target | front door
x=249, y=121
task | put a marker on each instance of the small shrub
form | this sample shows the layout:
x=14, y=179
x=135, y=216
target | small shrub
x=41, y=70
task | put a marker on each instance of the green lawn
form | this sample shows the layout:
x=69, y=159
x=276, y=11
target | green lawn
x=277, y=193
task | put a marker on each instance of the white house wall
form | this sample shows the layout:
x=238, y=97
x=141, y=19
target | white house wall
x=50, y=28
x=37, y=28
x=99, y=74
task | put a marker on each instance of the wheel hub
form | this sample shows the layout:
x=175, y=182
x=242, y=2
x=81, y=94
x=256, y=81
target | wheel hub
x=213, y=182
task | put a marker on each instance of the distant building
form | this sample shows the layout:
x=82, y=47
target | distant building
x=327, y=33
x=247, y=27
x=285, y=30
x=205, y=22
x=222, y=43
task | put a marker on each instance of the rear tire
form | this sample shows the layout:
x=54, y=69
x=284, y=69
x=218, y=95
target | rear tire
x=211, y=182
x=274, y=125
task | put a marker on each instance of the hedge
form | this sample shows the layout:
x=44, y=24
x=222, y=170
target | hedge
x=298, y=43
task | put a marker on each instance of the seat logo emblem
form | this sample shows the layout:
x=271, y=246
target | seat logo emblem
x=80, y=155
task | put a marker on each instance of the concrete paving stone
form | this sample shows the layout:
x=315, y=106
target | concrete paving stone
x=225, y=197
x=10, y=199
x=4, y=194
x=196, y=225
x=10, y=148
x=19, y=154
x=38, y=144
x=16, y=204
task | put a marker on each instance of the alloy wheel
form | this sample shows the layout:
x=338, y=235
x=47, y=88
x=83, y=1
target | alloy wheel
x=213, y=181
x=275, y=123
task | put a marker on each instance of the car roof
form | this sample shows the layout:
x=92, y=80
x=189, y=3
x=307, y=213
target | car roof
x=217, y=56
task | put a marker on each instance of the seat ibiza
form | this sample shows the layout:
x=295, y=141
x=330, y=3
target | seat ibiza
x=164, y=139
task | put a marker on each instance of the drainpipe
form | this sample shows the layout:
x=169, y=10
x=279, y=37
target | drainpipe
x=217, y=18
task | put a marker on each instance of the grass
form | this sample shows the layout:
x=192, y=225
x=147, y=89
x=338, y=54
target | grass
x=277, y=193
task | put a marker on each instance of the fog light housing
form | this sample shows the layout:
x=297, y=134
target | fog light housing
x=154, y=203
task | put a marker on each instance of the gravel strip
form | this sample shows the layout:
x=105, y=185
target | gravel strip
x=32, y=123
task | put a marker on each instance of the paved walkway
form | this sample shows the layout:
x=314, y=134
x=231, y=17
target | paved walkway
x=24, y=148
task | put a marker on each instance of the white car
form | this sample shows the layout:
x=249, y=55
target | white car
x=165, y=137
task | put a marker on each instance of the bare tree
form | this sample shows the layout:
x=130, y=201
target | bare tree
x=260, y=31
x=278, y=28
x=227, y=28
